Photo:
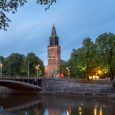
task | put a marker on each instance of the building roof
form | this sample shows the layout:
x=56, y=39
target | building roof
x=53, y=33
x=53, y=38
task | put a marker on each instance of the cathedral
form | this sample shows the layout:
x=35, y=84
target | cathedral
x=54, y=51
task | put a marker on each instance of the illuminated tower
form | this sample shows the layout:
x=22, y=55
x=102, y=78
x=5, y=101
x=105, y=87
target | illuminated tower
x=53, y=54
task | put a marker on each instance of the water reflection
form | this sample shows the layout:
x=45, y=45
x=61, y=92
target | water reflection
x=99, y=110
x=54, y=105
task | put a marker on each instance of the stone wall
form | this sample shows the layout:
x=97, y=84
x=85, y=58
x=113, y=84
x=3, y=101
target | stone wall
x=79, y=87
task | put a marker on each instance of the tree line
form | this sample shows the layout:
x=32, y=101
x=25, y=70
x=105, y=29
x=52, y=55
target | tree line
x=18, y=64
x=92, y=58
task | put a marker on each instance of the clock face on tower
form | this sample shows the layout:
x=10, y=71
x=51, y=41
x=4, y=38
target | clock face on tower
x=53, y=54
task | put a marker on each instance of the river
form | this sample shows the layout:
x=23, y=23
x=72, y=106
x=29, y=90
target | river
x=19, y=104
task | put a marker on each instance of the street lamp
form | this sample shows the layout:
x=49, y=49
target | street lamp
x=37, y=68
x=1, y=69
x=28, y=69
x=68, y=71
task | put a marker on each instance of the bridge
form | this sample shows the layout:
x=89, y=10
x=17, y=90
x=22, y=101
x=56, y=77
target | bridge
x=22, y=84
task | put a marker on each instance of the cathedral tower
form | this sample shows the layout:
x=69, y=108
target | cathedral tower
x=53, y=54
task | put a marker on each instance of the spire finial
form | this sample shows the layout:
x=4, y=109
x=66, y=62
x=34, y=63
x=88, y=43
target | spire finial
x=54, y=25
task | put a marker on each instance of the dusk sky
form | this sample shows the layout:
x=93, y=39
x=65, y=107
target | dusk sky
x=74, y=20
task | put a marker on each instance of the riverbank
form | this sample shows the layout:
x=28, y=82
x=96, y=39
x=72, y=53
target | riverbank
x=96, y=88
x=55, y=86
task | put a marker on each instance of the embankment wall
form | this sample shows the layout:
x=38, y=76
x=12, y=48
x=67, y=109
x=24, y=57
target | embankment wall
x=78, y=87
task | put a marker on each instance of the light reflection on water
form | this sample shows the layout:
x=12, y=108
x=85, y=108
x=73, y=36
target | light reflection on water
x=54, y=105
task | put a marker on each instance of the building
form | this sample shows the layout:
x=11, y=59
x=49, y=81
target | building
x=54, y=51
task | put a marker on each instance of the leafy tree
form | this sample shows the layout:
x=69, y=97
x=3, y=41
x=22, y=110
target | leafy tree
x=14, y=64
x=2, y=61
x=17, y=64
x=32, y=61
x=93, y=58
x=78, y=67
x=83, y=60
x=62, y=68
x=106, y=51
x=88, y=54
x=2, y=58
x=7, y=6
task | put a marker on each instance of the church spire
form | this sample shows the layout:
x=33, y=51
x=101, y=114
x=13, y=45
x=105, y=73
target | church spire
x=53, y=37
x=53, y=34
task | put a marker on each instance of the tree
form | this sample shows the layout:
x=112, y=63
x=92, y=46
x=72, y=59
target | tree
x=7, y=6
x=77, y=63
x=62, y=68
x=32, y=61
x=83, y=60
x=106, y=51
x=89, y=54
x=2, y=63
x=14, y=64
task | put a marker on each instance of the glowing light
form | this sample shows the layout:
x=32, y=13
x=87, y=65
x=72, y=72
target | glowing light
x=68, y=112
x=100, y=111
x=95, y=110
x=1, y=65
x=62, y=75
x=37, y=66
x=96, y=77
x=93, y=77
x=90, y=77
x=80, y=110
x=99, y=71
x=1, y=69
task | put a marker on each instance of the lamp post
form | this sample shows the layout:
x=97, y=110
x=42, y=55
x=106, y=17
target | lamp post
x=0, y=69
x=28, y=69
x=68, y=71
x=37, y=68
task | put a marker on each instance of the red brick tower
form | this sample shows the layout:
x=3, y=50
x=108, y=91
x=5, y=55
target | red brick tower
x=53, y=54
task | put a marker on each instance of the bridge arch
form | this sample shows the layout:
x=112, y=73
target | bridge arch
x=18, y=86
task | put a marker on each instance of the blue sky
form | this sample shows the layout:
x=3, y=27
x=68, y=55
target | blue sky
x=75, y=20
